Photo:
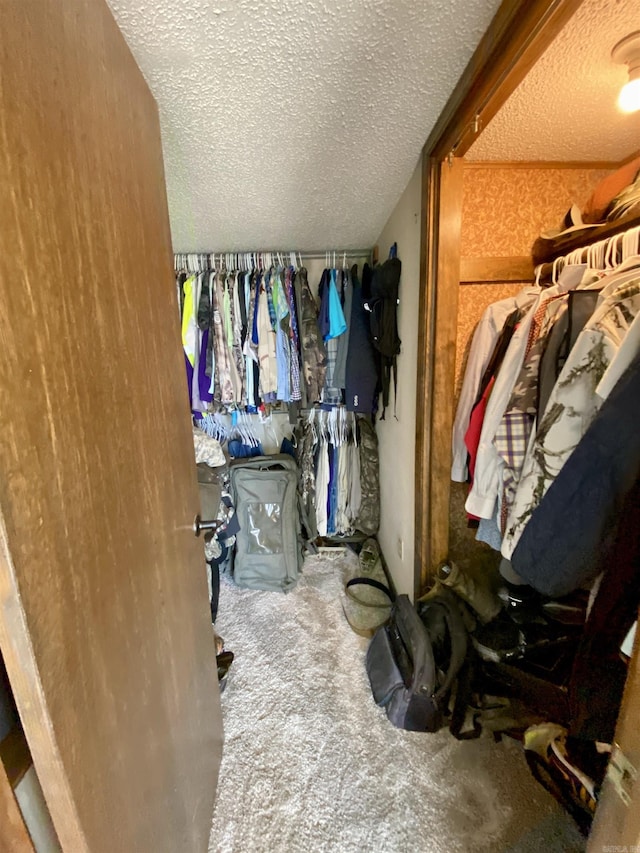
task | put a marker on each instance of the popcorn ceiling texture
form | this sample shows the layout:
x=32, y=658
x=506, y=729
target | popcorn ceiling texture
x=565, y=109
x=295, y=123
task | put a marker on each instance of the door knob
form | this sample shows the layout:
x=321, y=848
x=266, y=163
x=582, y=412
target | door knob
x=213, y=524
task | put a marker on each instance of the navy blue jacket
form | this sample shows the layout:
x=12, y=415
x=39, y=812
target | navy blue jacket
x=361, y=377
x=576, y=522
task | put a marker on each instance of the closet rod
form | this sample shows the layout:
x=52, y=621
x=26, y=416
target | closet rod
x=353, y=253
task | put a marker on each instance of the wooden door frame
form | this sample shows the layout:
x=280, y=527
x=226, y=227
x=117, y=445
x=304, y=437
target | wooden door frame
x=517, y=37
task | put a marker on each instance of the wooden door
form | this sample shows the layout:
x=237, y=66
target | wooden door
x=104, y=623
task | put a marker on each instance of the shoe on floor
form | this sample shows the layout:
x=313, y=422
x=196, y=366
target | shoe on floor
x=546, y=752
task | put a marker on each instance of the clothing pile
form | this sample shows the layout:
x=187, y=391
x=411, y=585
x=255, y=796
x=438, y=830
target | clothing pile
x=258, y=338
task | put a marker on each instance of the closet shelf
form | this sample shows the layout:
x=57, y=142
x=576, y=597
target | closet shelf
x=484, y=270
x=544, y=251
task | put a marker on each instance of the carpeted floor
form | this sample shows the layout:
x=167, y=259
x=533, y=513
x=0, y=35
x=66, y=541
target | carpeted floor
x=311, y=764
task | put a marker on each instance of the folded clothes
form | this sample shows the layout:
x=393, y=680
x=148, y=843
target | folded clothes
x=242, y=451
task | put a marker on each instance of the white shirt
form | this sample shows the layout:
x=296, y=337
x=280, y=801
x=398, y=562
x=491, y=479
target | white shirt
x=483, y=343
x=627, y=352
x=487, y=482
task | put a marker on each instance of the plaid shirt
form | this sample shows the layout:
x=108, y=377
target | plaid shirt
x=331, y=396
x=514, y=430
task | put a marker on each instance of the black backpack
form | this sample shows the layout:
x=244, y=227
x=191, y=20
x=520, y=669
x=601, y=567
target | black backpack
x=382, y=303
x=454, y=656
x=417, y=659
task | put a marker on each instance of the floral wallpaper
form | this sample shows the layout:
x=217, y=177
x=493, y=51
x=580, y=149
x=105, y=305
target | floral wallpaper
x=472, y=301
x=505, y=209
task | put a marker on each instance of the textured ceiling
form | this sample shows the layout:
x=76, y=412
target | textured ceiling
x=565, y=109
x=295, y=123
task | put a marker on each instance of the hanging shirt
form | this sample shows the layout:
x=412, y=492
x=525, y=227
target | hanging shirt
x=204, y=381
x=340, y=373
x=197, y=404
x=294, y=340
x=487, y=483
x=332, y=498
x=343, y=525
x=337, y=322
x=283, y=352
x=204, y=325
x=563, y=545
x=256, y=303
x=224, y=383
x=312, y=351
x=573, y=403
x=210, y=358
x=189, y=324
x=266, y=346
x=512, y=434
x=331, y=395
x=322, y=487
x=324, y=322
x=483, y=344
x=189, y=332
x=238, y=375
x=361, y=375
x=355, y=493
x=250, y=351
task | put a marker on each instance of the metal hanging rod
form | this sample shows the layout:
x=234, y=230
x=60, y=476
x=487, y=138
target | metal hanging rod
x=354, y=253
x=350, y=253
x=234, y=260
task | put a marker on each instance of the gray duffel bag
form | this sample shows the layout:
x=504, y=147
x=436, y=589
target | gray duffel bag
x=268, y=551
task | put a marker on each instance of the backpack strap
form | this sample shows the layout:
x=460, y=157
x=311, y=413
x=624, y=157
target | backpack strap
x=460, y=666
x=388, y=367
x=464, y=692
x=457, y=639
x=394, y=365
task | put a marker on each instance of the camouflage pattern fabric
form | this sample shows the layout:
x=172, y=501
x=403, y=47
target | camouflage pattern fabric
x=368, y=519
x=312, y=351
x=305, y=447
x=572, y=406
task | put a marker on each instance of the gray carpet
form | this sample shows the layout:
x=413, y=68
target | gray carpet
x=311, y=764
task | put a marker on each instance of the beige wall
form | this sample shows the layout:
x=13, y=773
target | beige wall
x=397, y=436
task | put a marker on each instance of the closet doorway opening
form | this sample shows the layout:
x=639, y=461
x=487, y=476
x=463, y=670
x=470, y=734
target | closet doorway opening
x=509, y=61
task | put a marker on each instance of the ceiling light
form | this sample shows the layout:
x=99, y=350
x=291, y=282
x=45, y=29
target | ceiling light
x=627, y=52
